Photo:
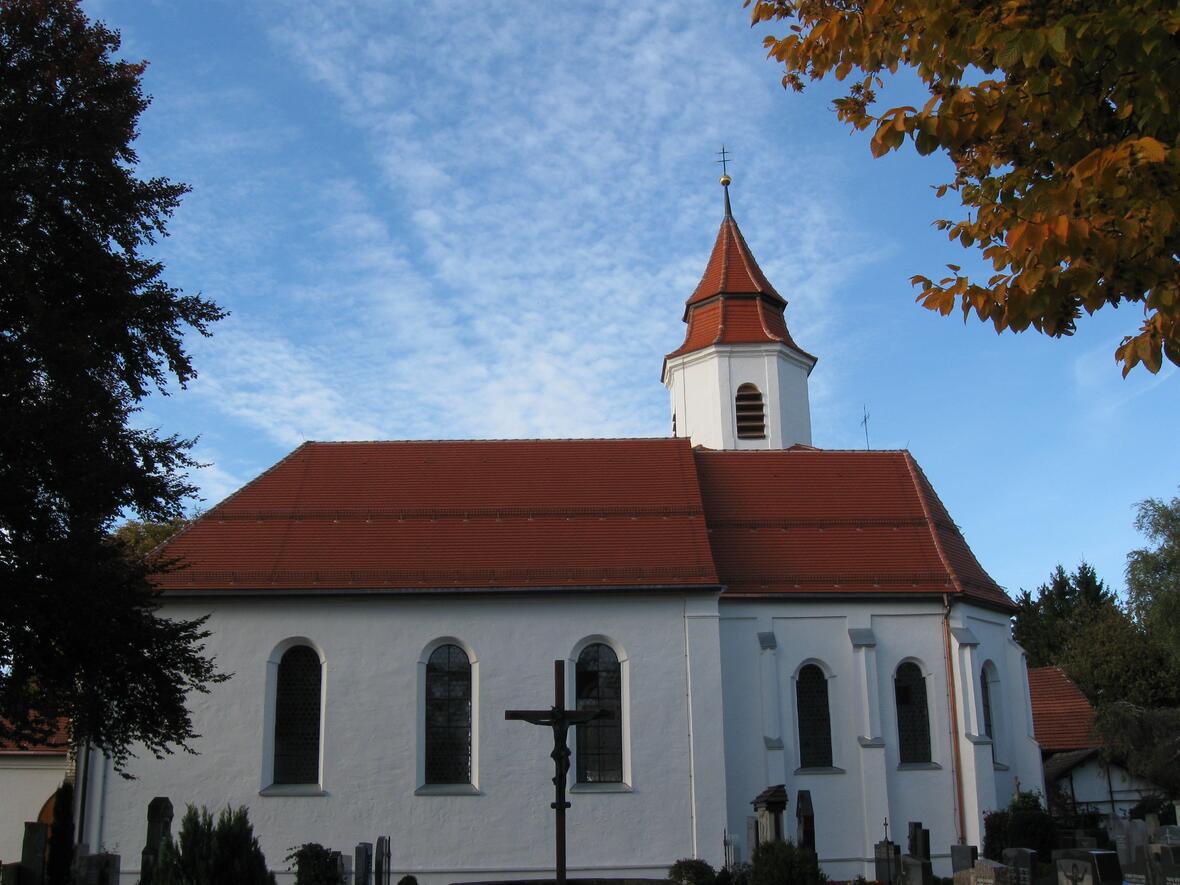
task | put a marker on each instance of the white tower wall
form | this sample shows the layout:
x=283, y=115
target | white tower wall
x=703, y=387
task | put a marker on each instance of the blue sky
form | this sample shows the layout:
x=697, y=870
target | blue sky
x=440, y=220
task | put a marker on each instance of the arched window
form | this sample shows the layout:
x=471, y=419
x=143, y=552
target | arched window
x=598, y=684
x=986, y=696
x=751, y=418
x=913, y=719
x=448, y=716
x=297, y=717
x=815, y=725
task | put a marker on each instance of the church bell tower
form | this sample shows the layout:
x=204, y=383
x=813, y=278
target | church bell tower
x=738, y=381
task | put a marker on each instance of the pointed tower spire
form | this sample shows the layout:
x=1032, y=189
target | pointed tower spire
x=737, y=338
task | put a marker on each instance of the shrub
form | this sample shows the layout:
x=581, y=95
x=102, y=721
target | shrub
x=1023, y=824
x=737, y=874
x=315, y=865
x=208, y=853
x=407, y=880
x=1157, y=804
x=690, y=871
x=784, y=863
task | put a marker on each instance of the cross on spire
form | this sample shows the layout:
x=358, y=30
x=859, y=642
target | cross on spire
x=723, y=162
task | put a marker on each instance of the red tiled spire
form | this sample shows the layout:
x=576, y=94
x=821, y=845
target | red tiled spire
x=734, y=303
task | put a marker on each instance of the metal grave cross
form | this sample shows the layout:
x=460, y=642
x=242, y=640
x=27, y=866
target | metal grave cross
x=559, y=719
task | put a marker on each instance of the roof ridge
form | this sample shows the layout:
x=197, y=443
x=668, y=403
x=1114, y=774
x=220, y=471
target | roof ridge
x=464, y=440
x=910, y=466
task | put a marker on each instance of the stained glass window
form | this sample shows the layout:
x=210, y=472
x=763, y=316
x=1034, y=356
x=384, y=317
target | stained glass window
x=913, y=719
x=297, y=717
x=599, y=742
x=448, y=716
x=986, y=695
x=815, y=725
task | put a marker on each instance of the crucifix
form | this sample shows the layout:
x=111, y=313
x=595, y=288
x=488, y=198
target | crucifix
x=559, y=719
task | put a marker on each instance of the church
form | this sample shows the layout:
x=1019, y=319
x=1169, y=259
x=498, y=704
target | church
x=751, y=610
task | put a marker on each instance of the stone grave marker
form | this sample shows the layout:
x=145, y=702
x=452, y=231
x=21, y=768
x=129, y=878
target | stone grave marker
x=1163, y=864
x=159, y=827
x=919, y=840
x=751, y=834
x=382, y=874
x=990, y=872
x=804, y=820
x=1169, y=835
x=32, y=853
x=10, y=874
x=362, y=864
x=916, y=871
x=1107, y=869
x=1023, y=862
x=1074, y=870
x=963, y=857
x=98, y=869
x=887, y=862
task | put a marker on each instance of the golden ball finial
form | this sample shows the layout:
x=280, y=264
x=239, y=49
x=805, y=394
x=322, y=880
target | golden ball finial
x=725, y=180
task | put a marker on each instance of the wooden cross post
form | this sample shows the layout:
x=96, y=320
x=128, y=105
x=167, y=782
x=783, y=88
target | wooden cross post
x=559, y=719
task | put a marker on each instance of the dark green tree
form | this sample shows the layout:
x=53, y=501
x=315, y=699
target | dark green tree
x=1145, y=740
x=88, y=328
x=1045, y=622
x=1153, y=573
x=225, y=852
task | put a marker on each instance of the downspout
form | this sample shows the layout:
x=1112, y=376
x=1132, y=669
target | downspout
x=692, y=761
x=956, y=760
x=80, y=832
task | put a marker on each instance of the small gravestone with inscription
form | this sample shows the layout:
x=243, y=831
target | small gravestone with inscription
x=1163, y=864
x=32, y=853
x=963, y=857
x=382, y=874
x=1023, y=862
x=990, y=872
x=804, y=821
x=362, y=863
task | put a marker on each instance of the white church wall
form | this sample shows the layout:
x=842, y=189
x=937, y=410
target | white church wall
x=371, y=742
x=869, y=782
x=27, y=780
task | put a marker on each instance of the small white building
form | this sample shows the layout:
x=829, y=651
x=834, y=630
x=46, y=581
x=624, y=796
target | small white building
x=753, y=610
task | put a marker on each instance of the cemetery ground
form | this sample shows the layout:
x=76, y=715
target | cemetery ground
x=1024, y=845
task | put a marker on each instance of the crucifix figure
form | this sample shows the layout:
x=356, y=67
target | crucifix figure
x=559, y=719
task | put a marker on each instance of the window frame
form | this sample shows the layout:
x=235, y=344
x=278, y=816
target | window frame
x=625, y=785
x=267, y=785
x=431, y=789
x=923, y=680
x=827, y=676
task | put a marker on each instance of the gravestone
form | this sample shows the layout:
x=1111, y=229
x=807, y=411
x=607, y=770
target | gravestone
x=32, y=853
x=362, y=863
x=382, y=874
x=1135, y=872
x=98, y=869
x=751, y=835
x=159, y=827
x=916, y=871
x=1023, y=862
x=919, y=841
x=990, y=872
x=1163, y=864
x=10, y=874
x=1087, y=867
x=963, y=857
x=887, y=861
x=769, y=806
x=1169, y=835
x=804, y=821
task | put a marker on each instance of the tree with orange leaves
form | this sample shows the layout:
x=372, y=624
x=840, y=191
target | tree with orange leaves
x=1062, y=118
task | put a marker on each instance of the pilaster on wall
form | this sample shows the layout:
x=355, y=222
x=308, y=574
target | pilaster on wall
x=979, y=777
x=772, y=711
x=874, y=786
x=702, y=651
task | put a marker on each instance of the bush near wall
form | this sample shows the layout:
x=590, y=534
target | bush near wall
x=1023, y=824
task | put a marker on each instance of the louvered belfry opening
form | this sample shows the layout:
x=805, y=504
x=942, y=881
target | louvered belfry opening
x=751, y=417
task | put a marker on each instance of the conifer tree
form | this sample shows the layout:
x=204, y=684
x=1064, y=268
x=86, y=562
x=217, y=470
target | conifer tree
x=88, y=328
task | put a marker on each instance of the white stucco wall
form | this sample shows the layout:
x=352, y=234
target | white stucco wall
x=673, y=806
x=1088, y=785
x=703, y=386
x=869, y=783
x=27, y=780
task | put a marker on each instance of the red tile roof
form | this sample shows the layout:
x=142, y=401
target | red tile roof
x=806, y=521
x=639, y=513
x=1062, y=717
x=56, y=744
x=734, y=303
x=471, y=514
